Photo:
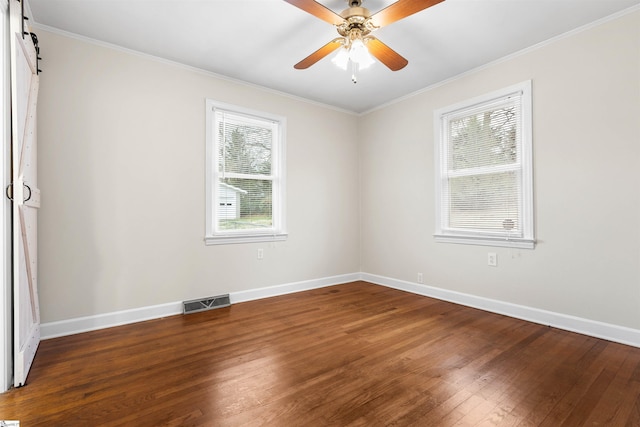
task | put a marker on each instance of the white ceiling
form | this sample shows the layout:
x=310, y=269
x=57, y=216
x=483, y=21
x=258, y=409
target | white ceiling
x=259, y=41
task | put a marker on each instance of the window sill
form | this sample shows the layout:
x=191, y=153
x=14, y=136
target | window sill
x=487, y=241
x=244, y=238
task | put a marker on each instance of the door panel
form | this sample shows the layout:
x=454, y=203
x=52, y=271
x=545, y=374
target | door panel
x=26, y=196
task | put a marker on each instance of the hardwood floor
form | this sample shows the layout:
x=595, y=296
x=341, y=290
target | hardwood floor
x=349, y=355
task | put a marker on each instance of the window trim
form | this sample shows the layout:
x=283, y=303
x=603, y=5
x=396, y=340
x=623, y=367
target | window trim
x=470, y=237
x=278, y=232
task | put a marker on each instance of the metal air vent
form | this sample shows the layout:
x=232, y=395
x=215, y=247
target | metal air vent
x=204, y=304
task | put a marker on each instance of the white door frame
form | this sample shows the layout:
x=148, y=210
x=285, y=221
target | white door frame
x=6, y=322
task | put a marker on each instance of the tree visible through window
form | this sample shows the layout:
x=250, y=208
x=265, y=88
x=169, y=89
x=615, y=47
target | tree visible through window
x=484, y=170
x=246, y=185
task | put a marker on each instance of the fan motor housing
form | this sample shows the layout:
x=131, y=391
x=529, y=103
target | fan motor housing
x=357, y=18
x=355, y=11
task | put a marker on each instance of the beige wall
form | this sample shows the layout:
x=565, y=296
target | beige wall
x=122, y=175
x=121, y=169
x=586, y=130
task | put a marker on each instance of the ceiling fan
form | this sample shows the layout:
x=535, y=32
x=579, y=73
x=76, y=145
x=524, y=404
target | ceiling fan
x=355, y=25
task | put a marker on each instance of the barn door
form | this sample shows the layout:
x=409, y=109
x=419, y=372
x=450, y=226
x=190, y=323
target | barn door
x=25, y=194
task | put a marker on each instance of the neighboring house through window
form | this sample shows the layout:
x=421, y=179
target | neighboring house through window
x=484, y=185
x=245, y=175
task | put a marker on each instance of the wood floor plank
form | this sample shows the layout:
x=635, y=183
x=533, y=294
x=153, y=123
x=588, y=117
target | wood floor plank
x=617, y=401
x=349, y=355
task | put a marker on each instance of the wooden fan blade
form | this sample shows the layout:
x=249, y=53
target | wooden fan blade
x=317, y=10
x=400, y=9
x=385, y=54
x=319, y=54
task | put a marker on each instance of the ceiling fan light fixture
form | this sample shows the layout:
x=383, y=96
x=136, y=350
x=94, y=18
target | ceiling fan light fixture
x=355, y=52
x=341, y=59
x=359, y=54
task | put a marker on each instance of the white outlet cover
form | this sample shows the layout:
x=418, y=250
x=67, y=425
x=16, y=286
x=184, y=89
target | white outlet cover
x=492, y=259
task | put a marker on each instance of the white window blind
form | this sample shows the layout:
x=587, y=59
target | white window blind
x=483, y=170
x=245, y=147
x=245, y=187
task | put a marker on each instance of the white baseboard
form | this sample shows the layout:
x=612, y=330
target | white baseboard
x=107, y=320
x=593, y=328
x=566, y=322
x=272, y=291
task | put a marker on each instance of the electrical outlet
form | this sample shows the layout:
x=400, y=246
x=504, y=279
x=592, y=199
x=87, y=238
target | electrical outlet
x=260, y=253
x=492, y=259
x=420, y=278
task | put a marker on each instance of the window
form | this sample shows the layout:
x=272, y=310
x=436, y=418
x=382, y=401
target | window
x=484, y=185
x=245, y=195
